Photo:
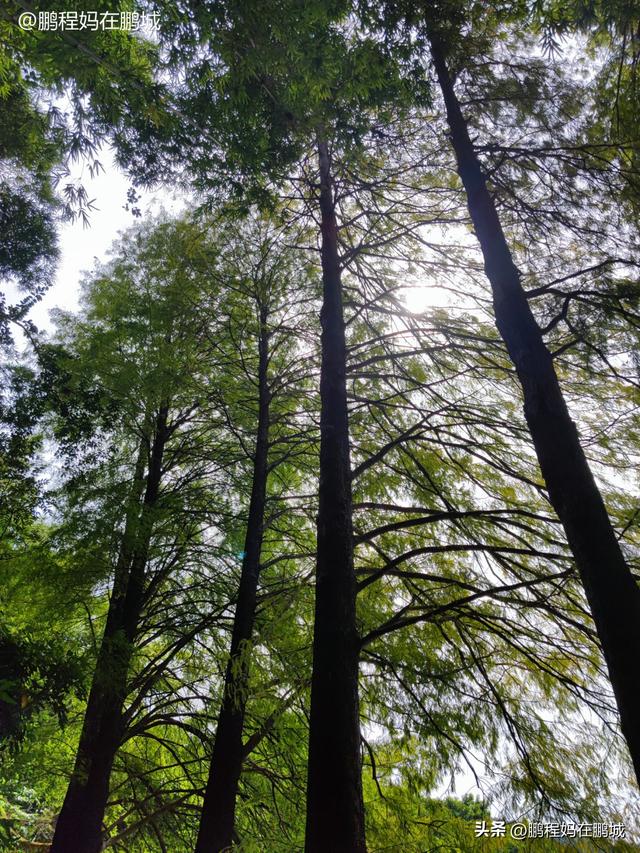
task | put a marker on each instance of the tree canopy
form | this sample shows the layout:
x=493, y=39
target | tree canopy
x=321, y=511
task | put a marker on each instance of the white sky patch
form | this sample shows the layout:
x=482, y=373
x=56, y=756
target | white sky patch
x=81, y=247
x=420, y=297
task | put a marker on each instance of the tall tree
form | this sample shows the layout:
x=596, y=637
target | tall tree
x=147, y=390
x=261, y=278
x=269, y=120
x=163, y=349
x=451, y=517
x=611, y=590
x=335, y=809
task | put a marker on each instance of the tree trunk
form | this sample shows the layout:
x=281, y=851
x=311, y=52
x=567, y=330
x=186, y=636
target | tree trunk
x=79, y=824
x=335, y=811
x=218, y=809
x=612, y=593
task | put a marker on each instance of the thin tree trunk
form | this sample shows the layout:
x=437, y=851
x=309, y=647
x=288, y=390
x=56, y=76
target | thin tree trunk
x=79, y=824
x=335, y=811
x=612, y=593
x=218, y=809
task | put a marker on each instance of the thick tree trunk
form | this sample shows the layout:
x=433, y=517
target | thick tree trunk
x=335, y=811
x=218, y=810
x=613, y=595
x=79, y=824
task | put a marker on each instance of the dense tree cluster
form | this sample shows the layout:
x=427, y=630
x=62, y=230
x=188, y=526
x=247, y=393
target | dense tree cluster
x=326, y=498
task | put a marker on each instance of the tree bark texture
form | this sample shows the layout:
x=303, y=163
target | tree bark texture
x=217, y=819
x=335, y=811
x=612, y=593
x=79, y=824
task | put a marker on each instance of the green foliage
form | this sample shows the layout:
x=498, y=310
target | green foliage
x=478, y=653
x=34, y=675
x=104, y=79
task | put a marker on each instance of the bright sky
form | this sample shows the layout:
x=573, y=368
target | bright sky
x=81, y=247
